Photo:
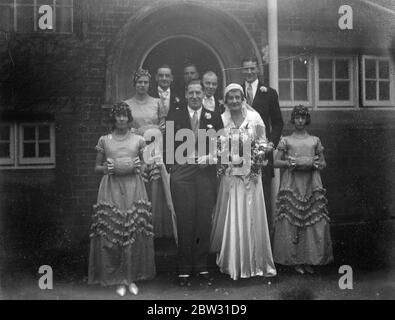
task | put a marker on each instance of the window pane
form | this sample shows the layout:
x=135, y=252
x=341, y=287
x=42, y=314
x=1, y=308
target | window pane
x=284, y=69
x=342, y=90
x=370, y=69
x=5, y=133
x=325, y=67
x=25, y=2
x=63, y=20
x=4, y=150
x=25, y=19
x=384, y=70
x=47, y=2
x=384, y=90
x=300, y=90
x=44, y=150
x=371, y=90
x=326, y=92
x=43, y=133
x=29, y=133
x=341, y=69
x=6, y=18
x=285, y=90
x=29, y=150
x=300, y=69
x=64, y=2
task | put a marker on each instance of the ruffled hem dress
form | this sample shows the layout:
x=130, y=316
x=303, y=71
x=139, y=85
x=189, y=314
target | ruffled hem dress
x=121, y=246
x=302, y=229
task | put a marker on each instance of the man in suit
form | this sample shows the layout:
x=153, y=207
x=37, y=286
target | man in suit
x=190, y=72
x=265, y=101
x=164, y=90
x=193, y=188
x=210, y=102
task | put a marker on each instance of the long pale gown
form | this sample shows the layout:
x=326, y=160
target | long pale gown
x=240, y=233
x=149, y=118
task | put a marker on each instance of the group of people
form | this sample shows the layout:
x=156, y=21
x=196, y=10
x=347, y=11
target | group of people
x=140, y=200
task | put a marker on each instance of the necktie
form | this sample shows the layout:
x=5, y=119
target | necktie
x=250, y=95
x=195, y=123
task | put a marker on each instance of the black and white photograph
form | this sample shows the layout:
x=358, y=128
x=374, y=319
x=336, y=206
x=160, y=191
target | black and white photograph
x=199, y=151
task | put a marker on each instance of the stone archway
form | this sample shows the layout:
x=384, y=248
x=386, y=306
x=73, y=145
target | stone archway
x=222, y=33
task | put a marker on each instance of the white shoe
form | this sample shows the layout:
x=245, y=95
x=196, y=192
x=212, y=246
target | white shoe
x=133, y=289
x=121, y=291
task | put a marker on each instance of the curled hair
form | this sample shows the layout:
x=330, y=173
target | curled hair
x=140, y=73
x=300, y=110
x=119, y=108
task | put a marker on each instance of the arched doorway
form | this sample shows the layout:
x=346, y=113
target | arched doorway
x=209, y=30
x=177, y=51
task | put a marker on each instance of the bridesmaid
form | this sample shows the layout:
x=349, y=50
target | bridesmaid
x=121, y=248
x=149, y=121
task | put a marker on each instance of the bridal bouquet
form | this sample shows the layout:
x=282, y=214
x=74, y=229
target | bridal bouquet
x=253, y=160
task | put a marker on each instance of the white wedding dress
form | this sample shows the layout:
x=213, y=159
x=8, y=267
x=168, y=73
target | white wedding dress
x=240, y=233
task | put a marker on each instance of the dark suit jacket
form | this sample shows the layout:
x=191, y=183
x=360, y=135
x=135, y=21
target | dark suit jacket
x=266, y=103
x=219, y=107
x=181, y=119
x=175, y=101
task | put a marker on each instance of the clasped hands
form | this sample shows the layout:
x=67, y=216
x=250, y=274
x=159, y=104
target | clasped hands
x=123, y=166
x=305, y=163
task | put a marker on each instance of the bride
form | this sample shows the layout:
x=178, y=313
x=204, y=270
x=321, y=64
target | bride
x=240, y=234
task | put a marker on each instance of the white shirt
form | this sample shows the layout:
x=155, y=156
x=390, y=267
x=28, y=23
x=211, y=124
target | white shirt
x=209, y=103
x=164, y=96
x=191, y=112
x=254, y=86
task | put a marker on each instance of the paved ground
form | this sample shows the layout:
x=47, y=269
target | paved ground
x=372, y=258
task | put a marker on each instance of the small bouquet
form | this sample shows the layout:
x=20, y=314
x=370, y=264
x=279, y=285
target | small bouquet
x=259, y=152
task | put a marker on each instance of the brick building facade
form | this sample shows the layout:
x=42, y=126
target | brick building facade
x=56, y=84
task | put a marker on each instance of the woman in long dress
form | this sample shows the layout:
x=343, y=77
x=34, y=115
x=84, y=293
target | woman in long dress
x=302, y=231
x=240, y=234
x=121, y=248
x=149, y=121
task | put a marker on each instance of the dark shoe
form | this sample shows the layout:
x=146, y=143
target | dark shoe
x=205, y=279
x=184, y=281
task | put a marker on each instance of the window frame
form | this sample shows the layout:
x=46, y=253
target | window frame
x=353, y=88
x=35, y=5
x=292, y=103
x=17, y=148
x=377, y=102
x=10, y=161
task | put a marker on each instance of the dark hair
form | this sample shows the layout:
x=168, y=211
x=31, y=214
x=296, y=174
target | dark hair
x=119, y=108
x=163, y=66
x=140, y=73
x=190, y=64
x=194, y=81
x=252, y=58
x=300, y=110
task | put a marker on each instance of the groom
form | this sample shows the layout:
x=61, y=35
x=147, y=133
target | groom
x=193, y=189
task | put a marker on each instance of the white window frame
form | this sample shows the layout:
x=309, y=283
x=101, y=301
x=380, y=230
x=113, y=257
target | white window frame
x=378, y=103
x=18, y=162
x=353, y=69
x=292, y=103
x=11, y=160
x=35, y=5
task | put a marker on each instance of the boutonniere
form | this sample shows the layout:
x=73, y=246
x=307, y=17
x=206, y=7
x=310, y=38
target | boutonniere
x=177, y=99
x=221, y=102
x=207, y=115
x=263, y=89
x=210, y=126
